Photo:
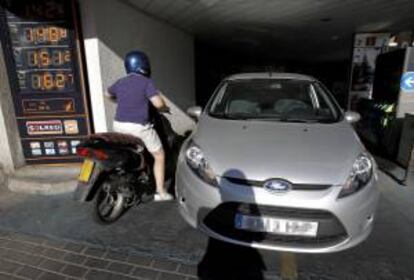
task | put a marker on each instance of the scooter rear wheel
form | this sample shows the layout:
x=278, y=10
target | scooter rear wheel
x=109, y=204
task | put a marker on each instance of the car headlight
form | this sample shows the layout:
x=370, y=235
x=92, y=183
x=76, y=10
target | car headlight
x=361, y=173
x=199, y=164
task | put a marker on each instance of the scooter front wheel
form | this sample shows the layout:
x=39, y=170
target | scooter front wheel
x=109, y=204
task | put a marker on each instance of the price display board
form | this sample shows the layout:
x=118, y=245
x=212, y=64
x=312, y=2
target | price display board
x=41, y=46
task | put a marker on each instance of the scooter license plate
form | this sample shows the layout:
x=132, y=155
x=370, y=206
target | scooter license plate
x=86, y=170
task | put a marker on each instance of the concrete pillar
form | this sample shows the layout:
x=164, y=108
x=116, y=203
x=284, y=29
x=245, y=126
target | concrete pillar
x=93, y=64
x=11, y=153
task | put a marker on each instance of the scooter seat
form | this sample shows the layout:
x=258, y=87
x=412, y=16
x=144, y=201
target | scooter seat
x=119, y=139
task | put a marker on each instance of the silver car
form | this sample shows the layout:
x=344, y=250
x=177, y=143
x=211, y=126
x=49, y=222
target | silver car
x=275, y=164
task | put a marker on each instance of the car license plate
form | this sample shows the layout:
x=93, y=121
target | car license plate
x=86, y=170
x=276, y=225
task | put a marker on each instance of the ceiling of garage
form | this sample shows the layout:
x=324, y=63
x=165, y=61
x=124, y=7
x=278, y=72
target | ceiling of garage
x=290, y=29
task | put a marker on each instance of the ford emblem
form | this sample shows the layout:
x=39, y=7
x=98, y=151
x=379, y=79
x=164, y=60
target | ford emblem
x=277, y=186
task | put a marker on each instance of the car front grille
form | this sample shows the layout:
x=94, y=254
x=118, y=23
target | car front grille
x=330, y=231
x=259, y=184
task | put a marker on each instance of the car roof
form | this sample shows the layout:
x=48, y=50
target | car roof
x=270, y=75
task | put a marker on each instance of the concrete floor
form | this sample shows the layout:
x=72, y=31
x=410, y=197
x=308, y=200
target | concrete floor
x=152, y=228
x=157, y=229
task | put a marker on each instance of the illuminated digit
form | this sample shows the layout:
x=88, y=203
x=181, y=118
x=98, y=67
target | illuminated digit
x=48, y=81
x=38, y=9
x=32, y=10
x=29, y=34
x=63, y=33
x=38, y=34
x=70, y=79
x=32, y=58
x=50, y=9
x=67, y=56
x=56, y=58
x=59, y=8
x=27, y=11
x=53, y=34
x=36, y=83
x=44, y=56
x=41, y=34
x=60, y=81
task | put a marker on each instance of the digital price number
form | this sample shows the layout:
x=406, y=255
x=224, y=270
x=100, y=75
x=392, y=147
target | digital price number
x=45, y=34
x=49, y=9
x=43, y=58
x=39, y=10
x=51, y=81
x=39, y=81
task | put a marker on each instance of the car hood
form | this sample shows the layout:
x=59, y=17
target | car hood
x=312, y=153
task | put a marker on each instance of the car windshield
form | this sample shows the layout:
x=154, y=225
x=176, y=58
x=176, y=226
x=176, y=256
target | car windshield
x=286, y=100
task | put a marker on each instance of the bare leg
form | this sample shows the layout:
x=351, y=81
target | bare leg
x=159, y=170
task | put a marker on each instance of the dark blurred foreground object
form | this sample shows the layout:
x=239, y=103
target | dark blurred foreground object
x=379, y=128
x=385, y=135
x=231, y=262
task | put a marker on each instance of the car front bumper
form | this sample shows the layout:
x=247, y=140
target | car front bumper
x=345, y=222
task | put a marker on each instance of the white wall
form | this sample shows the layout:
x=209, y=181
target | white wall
x=112, y=28
x=11, y=153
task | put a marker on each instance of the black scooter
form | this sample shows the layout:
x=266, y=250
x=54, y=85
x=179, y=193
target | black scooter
x=117, y=171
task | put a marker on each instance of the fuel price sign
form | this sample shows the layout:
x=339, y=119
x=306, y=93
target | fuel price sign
x=44, y=62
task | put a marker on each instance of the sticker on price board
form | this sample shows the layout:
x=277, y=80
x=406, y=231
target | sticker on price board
x=71, y=126
x=49, y=127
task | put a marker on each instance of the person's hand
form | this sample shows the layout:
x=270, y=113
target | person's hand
x=165, y=110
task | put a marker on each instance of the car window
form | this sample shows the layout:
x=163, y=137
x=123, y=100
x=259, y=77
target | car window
x=272, y=99
x=326, y=102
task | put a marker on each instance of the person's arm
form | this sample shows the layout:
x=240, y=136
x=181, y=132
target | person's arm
x=158, y=102
x=112, y=91
x=155, y=97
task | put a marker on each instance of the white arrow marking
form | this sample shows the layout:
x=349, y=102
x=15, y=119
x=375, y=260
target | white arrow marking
x=409, y=82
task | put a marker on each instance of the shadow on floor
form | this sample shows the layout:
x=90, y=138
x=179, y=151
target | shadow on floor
x=227, y=261
x=392, y=169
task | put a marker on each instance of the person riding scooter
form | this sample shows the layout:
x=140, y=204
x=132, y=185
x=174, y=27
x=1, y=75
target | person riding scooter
x=133, y=94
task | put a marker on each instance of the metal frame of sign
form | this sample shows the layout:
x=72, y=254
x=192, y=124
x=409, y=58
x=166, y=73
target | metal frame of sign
x=50, y=107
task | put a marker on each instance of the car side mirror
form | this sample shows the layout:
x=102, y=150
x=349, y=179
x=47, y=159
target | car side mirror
x=194, y=112
x=352, y=117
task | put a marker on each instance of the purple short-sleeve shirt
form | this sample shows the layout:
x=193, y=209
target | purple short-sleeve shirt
x=133, y=93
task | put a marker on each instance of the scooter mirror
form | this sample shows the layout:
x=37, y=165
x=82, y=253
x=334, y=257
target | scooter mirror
x=194, y=112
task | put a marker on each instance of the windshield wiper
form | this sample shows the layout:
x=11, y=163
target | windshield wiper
x=278, y=119
x=294, y=120
x=297, y=120
x=229, y=116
